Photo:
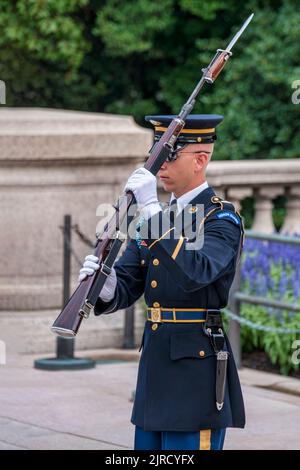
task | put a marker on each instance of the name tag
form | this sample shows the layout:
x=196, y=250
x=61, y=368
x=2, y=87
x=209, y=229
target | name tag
x=229, y=216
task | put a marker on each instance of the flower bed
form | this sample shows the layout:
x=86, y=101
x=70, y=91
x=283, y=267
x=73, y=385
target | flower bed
x=271, y=270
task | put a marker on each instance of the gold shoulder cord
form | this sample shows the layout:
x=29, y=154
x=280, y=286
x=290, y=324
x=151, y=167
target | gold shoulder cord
x=220, y=201
x=217, y=199
x=214, y=200
x=242, y=227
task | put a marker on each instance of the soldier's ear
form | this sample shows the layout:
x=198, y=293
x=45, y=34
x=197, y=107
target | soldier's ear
x=201, y=160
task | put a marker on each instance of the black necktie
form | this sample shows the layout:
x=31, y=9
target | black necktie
x=173, y=210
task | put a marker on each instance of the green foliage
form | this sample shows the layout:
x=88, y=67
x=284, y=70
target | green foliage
x=248, y=211
x=279, y=211
x=139, y=57
x=132, y=29
x=262, y=116
x=42, y=49
x=271, y=270
x=278, y=347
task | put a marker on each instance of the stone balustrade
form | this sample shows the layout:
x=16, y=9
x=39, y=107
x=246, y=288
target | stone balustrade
x=263, y=180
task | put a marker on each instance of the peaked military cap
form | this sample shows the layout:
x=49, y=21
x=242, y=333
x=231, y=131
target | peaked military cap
x=199, y=128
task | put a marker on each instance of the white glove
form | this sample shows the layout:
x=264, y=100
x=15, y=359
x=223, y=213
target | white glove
x=90, y=265
x=143, y=184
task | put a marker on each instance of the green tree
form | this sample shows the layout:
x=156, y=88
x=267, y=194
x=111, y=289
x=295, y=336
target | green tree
x=42, y=48
x=140, y=57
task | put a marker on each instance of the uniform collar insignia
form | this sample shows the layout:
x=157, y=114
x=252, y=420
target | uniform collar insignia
x=203, y=198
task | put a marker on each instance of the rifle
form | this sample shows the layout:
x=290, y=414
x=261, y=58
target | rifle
x=108, y=244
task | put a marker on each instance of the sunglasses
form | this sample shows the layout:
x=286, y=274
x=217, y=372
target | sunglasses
x=174, y=155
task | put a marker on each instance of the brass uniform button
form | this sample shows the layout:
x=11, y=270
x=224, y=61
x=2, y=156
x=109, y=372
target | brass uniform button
x=201, y=353
x=153, y=284
x=156, y=304
x=142, y=262
x=155, y=262
x=154, y=326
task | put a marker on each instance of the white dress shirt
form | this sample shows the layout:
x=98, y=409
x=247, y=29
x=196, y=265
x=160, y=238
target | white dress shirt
x=183, y=200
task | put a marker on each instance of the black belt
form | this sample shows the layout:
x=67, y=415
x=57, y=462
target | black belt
x=177, y=315
x=180, y=315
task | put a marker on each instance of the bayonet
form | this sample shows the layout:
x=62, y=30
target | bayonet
x=239, y=33
x=222, y=55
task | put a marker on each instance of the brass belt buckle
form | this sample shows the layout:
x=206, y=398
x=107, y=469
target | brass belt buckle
x=156, y=315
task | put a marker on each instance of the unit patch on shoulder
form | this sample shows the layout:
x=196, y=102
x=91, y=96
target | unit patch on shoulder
x=229, y=216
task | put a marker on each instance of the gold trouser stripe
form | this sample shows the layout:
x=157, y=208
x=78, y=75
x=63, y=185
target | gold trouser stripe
x=155, y=241
x=177, y=248
x=188, y=131
x=205, y=437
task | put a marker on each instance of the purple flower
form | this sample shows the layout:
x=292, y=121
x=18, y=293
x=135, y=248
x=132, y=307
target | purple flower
x=272, y=270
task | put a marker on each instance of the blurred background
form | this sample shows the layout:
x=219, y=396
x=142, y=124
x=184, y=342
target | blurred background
x=79, y=77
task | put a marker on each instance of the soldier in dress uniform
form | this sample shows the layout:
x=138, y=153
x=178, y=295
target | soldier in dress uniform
x=188, y=391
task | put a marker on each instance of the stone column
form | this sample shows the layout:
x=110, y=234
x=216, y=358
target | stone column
x=236, y=195
x=219, y=191
x=291, y=224
x=263, y=221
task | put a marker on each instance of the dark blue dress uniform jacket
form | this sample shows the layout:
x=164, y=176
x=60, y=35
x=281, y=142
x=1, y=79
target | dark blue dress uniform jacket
x=176, y=385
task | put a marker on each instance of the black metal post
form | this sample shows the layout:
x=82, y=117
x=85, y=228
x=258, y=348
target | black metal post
x=234, y=333
x=65, y=346
x=128, y=338
x=128, y=341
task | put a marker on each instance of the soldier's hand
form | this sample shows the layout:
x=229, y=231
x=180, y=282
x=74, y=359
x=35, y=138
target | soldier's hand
x=144, y=187
x=90, y=266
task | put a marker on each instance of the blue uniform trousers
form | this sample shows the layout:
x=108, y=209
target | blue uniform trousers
x=208, y=439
